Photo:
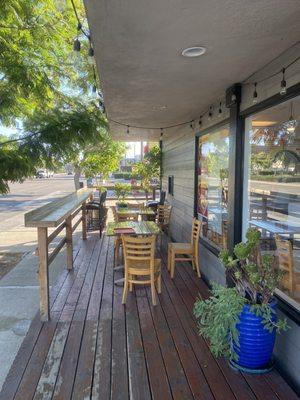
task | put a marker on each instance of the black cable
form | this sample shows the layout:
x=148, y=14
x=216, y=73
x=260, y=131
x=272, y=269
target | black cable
x=272, y=75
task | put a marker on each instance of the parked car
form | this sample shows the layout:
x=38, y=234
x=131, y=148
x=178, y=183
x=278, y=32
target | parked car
x=44, y=173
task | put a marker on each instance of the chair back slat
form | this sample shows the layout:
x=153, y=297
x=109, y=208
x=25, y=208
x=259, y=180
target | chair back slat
x=285, y=261
x=164, y=214
x=196, y=228
x=137, y=250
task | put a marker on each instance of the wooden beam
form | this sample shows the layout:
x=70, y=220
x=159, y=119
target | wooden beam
x=43, y=273
x=69, y=240
x=84, y=220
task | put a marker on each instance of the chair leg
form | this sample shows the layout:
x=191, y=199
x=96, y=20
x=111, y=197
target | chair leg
x=153, y=293
x=159, y=283
x=125, y=291
x=193, y=264
x=169, y=258
x=172, y=263
x=116, y=255
x=197, y=266
x=131, y=284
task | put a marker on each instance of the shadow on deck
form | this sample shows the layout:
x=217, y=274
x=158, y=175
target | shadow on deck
x=94, y=347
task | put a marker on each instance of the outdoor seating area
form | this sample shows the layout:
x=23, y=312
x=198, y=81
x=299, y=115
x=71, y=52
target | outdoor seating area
x=95, y=347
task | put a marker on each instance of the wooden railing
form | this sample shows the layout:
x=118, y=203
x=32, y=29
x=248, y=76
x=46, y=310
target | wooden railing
x=58, y=214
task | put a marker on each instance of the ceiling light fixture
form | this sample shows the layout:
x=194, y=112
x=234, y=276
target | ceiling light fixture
x=193, y=51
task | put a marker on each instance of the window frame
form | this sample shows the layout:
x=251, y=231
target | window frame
x=236, y=180
x=211, y=130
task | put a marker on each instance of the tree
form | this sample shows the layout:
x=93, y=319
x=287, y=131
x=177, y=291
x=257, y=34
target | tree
x=36, y=60
x=260, y=162
x=149, y=168
x=103, y=158
x=43, y=85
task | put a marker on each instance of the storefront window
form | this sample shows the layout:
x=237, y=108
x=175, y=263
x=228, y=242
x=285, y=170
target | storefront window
x=272, y=188
x=213, y=156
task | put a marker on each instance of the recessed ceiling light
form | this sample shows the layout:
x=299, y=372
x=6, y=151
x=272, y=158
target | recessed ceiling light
x=193, y=51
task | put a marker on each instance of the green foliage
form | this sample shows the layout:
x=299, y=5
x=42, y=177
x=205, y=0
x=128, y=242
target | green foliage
x=44, y=87
x=217, y=318
x=149, y=168
x=260, y=161
x=52, y=137
x=36, y=56
x=103, y=158
x=122, y=190
x=256, y=276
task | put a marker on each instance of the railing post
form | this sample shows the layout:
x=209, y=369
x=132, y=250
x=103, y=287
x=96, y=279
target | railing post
x=84, y=220
x=43, y=273
x=69, y=242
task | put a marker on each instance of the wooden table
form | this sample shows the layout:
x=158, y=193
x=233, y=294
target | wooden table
x=57, y=214
x=140, y=228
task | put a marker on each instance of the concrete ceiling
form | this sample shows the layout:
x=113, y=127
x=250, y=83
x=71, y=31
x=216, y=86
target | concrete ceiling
x=138, y=44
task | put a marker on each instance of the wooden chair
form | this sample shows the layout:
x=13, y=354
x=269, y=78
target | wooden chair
x=163, y=217
x=189, y=249
x=291, y=279
x=141, y=266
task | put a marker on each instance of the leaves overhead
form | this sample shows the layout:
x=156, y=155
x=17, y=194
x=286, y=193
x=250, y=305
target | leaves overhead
x=44, y=88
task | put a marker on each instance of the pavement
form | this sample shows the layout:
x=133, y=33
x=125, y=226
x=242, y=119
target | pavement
x=19, y=290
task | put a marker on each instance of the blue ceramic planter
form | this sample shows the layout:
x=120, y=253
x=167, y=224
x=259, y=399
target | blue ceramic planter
x=256, y=342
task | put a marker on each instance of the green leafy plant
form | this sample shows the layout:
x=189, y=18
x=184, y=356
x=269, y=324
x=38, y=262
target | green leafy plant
x=255, y=276
x=122, y=190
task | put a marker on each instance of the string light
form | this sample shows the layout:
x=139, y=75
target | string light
x=200, y=120
x=210, y=114
x=255, y=94
x=283, y=83
x=192, y=125
x=161, y=132
x=220, y=110
x=127, y=129
x=91, y=56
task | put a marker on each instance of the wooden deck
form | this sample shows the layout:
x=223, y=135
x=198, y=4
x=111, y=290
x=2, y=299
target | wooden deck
x=96, y=348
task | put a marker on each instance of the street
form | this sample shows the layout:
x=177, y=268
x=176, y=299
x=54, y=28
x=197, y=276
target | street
x=30, y=194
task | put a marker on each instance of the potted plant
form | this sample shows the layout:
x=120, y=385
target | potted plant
x=122, y=190
x=240, y=322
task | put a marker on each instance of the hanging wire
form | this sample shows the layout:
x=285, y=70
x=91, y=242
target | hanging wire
x=245, y=82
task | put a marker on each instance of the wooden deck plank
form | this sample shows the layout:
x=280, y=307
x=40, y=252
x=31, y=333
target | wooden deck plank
x=68, y=366
x=101, y=376
x=158, y=379
x=139, y=387
x=177, y=379
x=83, y=380
x=42, y=369
x=119, y=370
x=211, y=371
x=188, y=286
x=194, y=372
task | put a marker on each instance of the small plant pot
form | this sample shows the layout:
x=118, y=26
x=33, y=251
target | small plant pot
x=122, y=205
x=255, y=342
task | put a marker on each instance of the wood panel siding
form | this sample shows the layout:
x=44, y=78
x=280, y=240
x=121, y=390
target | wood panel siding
x=179, y=161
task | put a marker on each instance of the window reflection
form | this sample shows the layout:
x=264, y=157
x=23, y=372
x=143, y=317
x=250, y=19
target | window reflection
x=272, y=187
x=213, y=186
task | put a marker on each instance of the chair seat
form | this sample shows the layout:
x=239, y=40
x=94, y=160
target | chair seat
x=181, y=247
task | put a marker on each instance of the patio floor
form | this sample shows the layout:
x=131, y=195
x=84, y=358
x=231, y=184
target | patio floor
x=96, y=348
